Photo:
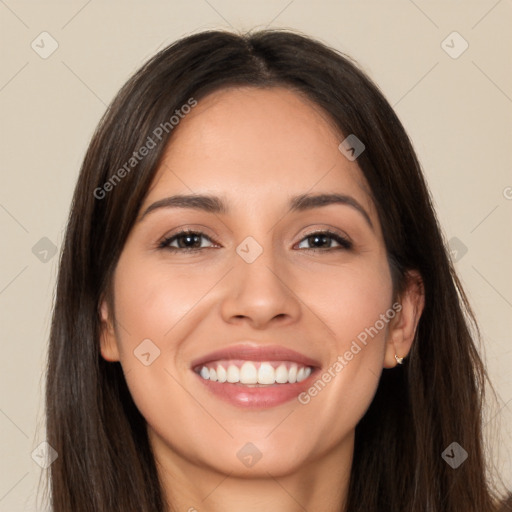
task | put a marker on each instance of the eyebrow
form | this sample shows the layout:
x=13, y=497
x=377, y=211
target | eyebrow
x=214, y=204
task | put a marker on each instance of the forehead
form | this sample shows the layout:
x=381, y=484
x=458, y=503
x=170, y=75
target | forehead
x=267, y=141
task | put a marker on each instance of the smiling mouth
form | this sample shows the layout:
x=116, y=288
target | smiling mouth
x=254, y=373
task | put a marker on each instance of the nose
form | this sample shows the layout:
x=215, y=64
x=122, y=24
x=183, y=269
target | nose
x=260, y=293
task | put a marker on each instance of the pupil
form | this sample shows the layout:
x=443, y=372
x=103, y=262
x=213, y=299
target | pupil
x=319, y=237
x=188, y=238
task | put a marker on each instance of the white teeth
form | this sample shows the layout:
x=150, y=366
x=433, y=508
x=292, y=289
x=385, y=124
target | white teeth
x=303, y=373
x=233, y=374
x=266, y=374
x=221, y=373
x=250, y=374
x=292, y=374
x=281, y=374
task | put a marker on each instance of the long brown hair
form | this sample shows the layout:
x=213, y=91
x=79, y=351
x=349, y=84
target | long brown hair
x=105, y=462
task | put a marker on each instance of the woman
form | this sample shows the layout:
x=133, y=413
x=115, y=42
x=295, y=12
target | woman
x=255, y=308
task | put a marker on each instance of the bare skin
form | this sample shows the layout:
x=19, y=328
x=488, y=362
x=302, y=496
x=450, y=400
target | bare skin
x=255, y=148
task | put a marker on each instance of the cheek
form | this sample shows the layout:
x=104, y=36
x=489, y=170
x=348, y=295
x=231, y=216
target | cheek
x=350, y=299
x=355, y=303
x=152, y=299
x=156, y=304
x=157, y=307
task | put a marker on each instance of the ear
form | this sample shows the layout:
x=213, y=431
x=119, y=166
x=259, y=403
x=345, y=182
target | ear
x=403, y=327
x=108, y=343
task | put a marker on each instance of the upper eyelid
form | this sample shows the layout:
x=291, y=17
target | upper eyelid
x=332, y=231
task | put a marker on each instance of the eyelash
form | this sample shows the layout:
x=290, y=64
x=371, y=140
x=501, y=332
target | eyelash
x=342, y=241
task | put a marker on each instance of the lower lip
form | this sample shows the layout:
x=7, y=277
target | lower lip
x=262, y=397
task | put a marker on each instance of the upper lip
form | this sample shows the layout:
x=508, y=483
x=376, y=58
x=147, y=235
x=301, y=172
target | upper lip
x=254, y=352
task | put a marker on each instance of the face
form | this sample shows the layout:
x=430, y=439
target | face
x=286, y=290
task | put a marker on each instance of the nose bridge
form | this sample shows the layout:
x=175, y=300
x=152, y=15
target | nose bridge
x=257, y=266
x=258, y=286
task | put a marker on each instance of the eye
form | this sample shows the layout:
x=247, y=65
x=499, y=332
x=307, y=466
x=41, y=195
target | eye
x=186, y=240
x=320, y=238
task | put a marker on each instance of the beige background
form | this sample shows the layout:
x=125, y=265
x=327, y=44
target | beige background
x=458, y=112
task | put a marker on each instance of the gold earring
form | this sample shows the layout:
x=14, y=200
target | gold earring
x=399, y=360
